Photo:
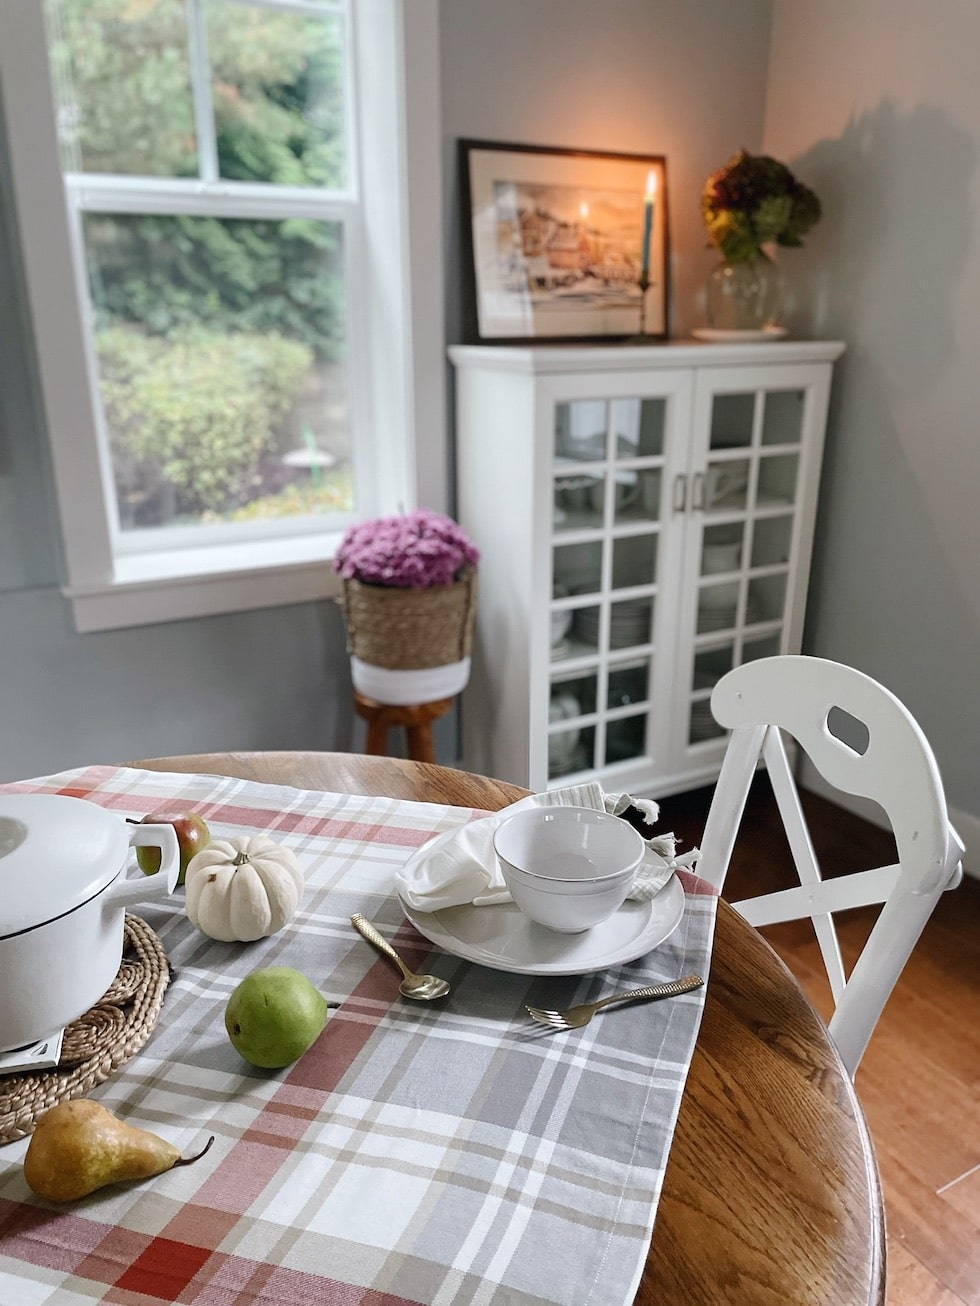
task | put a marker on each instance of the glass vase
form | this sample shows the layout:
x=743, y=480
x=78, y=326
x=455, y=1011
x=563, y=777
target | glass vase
x=745, y=296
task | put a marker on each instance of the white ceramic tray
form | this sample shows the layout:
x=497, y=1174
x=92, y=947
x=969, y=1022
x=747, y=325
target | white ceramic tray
x=737, y=337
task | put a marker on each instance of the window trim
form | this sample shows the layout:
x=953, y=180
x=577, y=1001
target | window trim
x=397, y=365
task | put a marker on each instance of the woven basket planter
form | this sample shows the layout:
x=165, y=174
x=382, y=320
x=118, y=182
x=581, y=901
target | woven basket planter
x=410, y=645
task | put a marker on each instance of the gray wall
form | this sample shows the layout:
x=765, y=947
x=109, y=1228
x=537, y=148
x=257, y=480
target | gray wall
x=878, y=104
x=683, y=78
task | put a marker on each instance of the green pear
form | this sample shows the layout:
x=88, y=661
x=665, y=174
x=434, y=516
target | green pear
x=274, y=1015
x=80, y=1146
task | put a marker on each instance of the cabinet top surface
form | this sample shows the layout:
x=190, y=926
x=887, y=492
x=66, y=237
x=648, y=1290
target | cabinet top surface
x=617, y=356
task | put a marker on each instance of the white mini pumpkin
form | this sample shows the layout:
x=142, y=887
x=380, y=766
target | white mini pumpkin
x=240, y=889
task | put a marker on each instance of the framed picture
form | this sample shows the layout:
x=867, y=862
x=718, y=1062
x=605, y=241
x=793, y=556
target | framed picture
x=564, y=244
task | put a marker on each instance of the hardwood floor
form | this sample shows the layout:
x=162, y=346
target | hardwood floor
x=919, y=1081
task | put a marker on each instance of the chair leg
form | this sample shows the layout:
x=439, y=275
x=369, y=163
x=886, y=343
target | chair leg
x=377, y=737
x=417, y=719
x=420, y=745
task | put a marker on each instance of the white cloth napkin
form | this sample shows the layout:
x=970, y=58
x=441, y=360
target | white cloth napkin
x=460, y=866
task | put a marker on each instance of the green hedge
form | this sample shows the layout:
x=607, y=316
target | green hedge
x=197, y=411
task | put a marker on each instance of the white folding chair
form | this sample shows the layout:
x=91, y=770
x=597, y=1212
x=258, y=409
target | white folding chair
x=886, y=758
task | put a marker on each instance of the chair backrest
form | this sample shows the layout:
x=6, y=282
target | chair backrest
x=886, y=758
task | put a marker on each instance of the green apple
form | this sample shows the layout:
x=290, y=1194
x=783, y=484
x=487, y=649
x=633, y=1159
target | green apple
x=192, y=835
x=274, y=1015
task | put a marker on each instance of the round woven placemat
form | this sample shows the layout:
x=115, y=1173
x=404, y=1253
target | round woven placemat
x=105, y=1038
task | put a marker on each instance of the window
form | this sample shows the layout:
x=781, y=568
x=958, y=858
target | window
x=221, y=298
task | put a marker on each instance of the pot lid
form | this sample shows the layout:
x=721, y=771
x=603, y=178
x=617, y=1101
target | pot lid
x=56, y=852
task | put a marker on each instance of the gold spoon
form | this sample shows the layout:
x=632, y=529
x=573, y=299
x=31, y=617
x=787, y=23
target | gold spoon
x=425, y=987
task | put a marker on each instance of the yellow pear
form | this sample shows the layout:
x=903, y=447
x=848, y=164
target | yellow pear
x=80, y=1146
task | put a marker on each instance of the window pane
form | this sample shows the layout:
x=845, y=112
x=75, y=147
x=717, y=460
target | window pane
x=278, y=95
x=629, y=684
x=121, y=74
x=731, y=420
x=575, y=503
x=577, y=568
x=625, y=739
x=221, y=354
x=634, y=561
x=782, y=421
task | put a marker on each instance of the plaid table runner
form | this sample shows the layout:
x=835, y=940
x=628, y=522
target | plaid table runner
x=444, y=1155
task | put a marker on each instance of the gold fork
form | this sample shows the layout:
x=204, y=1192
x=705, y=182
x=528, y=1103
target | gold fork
x=575, y=1017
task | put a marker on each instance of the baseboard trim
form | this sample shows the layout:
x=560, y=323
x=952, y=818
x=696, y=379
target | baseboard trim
x=966, y=824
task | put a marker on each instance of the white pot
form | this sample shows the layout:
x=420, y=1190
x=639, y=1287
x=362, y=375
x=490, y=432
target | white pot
x=396, y=687
x=63, y=898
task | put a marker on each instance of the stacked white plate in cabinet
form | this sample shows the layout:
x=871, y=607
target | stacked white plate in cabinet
x=585, y=625
x=629, y=623
x=716, y=619
x=703, y=724
x=723, y=618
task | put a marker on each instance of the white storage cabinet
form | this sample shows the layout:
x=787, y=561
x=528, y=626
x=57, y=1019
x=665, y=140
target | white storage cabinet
x=645, y=518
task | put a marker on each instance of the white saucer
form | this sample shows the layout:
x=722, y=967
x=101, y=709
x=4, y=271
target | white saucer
x=734, y=337
x=503, y=938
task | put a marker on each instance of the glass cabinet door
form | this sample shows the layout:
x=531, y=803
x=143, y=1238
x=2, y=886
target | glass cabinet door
x=609, y=476
x=741, y=533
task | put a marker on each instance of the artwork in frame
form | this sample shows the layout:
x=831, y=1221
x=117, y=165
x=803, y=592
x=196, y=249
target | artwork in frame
x=564, y=244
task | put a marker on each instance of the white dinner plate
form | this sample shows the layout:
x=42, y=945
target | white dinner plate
x=503, y=938
x=733, y=337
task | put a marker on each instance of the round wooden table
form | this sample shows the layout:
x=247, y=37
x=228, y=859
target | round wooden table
x=772, y=1192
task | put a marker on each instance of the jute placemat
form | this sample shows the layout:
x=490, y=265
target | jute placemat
x=105, y=1038
x=410, y=629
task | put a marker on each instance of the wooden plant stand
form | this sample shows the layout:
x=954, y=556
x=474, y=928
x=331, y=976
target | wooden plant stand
x=417, y=719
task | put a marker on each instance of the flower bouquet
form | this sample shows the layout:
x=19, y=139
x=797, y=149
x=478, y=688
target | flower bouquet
x=409, y=605
x=752, y=201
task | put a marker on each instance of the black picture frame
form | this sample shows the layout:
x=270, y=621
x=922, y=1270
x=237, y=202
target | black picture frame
x=563, y=244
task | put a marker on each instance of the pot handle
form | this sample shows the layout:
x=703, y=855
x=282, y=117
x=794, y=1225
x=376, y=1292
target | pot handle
x=137, y=888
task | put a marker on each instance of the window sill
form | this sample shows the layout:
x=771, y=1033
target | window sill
x=190, y=583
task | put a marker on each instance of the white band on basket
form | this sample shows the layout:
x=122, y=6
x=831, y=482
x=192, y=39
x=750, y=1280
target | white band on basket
x=397, y=687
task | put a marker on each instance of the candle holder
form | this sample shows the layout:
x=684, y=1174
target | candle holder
x=644, y=284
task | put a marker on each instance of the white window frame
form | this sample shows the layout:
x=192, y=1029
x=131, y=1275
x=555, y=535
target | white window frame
x=397, y=377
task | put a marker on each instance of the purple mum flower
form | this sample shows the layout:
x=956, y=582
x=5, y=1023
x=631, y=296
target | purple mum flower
x=418, y=550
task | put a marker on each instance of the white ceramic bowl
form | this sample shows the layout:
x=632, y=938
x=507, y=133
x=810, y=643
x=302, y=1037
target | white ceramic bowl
x=567, y=868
